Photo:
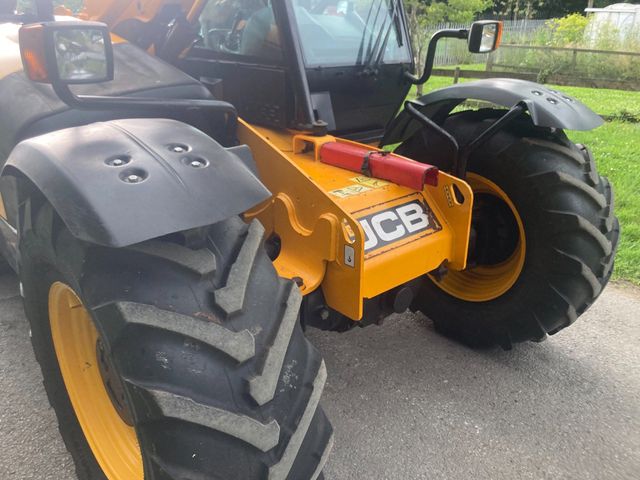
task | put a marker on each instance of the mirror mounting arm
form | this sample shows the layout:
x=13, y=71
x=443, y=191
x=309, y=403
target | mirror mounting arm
x=431, y=54
x=157, y=106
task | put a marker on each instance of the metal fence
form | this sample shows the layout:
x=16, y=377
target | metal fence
x=454, y=52
x=520, y=56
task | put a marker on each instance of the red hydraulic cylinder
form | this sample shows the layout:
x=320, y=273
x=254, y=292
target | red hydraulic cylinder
x=383, y=165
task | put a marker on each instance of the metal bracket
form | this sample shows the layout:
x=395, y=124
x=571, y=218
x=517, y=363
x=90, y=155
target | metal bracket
x=461, y=156
x=460, y=166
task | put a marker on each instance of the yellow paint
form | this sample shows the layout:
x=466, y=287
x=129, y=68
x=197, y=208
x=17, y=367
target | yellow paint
x=114, y=443
x=113, y=12
x=116, y=39
x=370, y=182
x=318, y=227
x=350, y=191
x=361, y=185
x=3, y=211
x=61, y=10
x=10, y=59
x=315, y=207
x=485, y=283
x=196, y=9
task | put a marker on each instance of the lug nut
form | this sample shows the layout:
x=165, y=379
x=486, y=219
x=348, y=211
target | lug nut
x=133, y=178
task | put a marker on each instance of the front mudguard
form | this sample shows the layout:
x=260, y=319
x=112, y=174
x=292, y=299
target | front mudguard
x=547, y=108
x=126, y=181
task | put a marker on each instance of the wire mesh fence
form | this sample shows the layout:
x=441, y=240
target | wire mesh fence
x=455, y=52
x=525, y=53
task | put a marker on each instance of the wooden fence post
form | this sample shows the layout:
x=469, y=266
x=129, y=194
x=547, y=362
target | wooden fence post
x=456, y=75
x=490, y=61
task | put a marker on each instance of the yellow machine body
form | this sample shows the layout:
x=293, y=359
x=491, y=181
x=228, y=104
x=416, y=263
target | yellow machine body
x=316, y=210
x=112, y=12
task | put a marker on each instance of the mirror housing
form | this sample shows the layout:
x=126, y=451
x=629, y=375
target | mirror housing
x=67, y=53
x=485, y=36
x=63, y=54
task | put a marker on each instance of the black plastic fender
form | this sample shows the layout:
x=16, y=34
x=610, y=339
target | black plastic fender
x=123, y=182
x=548, y=108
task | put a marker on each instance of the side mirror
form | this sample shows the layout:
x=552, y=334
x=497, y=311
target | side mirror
x=67, y=53
x=485, y=36
x=63, y=54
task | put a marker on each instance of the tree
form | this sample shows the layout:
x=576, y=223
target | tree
x=518, y=9
x=417, y=20
x=422, y=15
x=73, y=5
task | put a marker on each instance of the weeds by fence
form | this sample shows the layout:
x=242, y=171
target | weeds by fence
x=455, y=52
x=537, y=50
x=581, y=66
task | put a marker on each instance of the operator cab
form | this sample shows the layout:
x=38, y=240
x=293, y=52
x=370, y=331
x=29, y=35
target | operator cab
x=304, y=63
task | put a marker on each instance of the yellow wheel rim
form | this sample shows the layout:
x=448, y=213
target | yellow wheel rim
x=113, y=443
x=487, y=282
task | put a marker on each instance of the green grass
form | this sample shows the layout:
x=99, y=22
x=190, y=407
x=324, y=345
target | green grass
x=616, y=146
x=611, y=103
x=606, y=102
x=476, y=67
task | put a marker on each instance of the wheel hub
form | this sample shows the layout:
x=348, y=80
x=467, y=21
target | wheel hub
x=93, y=387
x=113, y=384
x=495, y=231
x=497, y=247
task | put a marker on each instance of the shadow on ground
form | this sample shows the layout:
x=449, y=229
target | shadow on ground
x=407, y=403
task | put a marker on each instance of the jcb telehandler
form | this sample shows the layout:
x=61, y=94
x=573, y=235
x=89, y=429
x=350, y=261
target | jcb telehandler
x=170, y=254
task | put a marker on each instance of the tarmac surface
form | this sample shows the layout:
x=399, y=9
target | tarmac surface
x=407, y=403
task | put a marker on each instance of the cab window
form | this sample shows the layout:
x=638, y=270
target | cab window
x=15, y=7
x=241, y=27
x=351, y=32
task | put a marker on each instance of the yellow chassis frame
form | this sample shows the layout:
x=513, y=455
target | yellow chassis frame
x=315, y=210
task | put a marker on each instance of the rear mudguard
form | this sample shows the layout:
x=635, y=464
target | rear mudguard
x=123, y=182
x=548, y=108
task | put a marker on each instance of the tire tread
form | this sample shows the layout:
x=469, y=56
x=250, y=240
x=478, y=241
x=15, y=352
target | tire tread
x=572, y=233
x=231, y=297
x=201, y=261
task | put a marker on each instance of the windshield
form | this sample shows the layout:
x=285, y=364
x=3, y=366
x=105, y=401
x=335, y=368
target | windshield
x=351, y=32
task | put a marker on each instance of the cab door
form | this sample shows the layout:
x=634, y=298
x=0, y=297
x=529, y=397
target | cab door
x=239, y=56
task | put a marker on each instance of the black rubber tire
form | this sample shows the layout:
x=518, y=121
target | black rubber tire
x=220, y=379
x=570, y=227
